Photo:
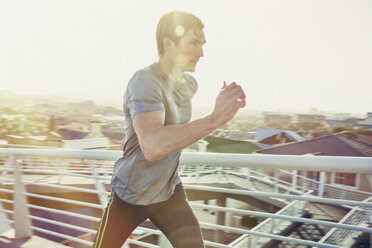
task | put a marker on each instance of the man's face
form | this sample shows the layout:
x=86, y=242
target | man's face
x=189, y=49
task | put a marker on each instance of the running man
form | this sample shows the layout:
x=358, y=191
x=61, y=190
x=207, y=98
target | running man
x=157, y=108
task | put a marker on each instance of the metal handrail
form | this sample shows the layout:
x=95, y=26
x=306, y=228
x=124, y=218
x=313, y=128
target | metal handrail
x=288, y=162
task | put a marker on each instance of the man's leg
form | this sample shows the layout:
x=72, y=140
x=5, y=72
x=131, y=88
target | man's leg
x=177, y=221
x=118, y=221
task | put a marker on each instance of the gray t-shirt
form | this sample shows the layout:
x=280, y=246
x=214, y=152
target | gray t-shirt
x=136, y=180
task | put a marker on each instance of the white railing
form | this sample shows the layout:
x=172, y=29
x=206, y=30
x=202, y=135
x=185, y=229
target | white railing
x=357, y=216
x=61, y=166
x=274, y=225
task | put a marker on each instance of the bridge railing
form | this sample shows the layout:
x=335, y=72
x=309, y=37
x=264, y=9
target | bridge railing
x=21, y=169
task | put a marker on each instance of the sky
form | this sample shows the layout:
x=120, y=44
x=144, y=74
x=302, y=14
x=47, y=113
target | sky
x=286, y=54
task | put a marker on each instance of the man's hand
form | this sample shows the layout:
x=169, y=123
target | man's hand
x=228, y=102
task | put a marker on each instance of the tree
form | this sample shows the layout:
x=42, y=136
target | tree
x=309, y=125
x=305, y=125
x=340, y=128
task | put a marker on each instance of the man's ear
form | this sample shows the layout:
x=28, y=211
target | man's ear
x=168, y=43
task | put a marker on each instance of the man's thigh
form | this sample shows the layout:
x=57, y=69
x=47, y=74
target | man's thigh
x=177, y=221
x=117, y=223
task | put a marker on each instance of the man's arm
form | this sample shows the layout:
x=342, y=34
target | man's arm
x=158, y=141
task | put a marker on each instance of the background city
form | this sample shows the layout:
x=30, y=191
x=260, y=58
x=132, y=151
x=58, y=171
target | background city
x=291, y=169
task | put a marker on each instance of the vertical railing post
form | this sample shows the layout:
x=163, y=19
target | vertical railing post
x=322, y=178
x=100, y=187
x=22, y=221
x=198, y=169
x=4, y=224
x=219, y=174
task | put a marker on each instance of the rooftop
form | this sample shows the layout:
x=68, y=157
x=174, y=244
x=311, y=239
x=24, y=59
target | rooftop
x=331, y=145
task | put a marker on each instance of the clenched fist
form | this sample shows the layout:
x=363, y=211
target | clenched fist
x=228, y=102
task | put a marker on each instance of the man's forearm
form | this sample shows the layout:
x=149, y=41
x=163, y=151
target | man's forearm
x=165, y=140
x=158, y=141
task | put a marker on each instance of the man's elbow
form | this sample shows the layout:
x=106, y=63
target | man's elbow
x=150, y=157
x=151, y=153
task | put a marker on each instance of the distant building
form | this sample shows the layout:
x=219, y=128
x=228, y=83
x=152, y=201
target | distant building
x=68, y=134
x=366, y=126
x=362, y=138
x=274, y=119
x=278, y=138
x=75, y=126
x=318, y=134
x=15, y=139
x=93, y=140
x=82, y=111
x=366, y=123
x=310, y=117
x=114, y=134
x=263, y=133
x=313, y=134
x=72, y=130
x=52, y=139
x=331, y=145
x=95, y=130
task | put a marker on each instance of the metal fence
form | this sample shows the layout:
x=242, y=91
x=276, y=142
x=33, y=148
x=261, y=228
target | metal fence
x=65, y=171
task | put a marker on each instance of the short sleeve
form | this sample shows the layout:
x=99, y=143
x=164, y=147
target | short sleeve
x=144, y=94
x=193, y=84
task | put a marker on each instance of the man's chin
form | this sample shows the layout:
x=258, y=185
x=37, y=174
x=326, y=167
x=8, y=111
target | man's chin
x=188, y=68
x=191, y=68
